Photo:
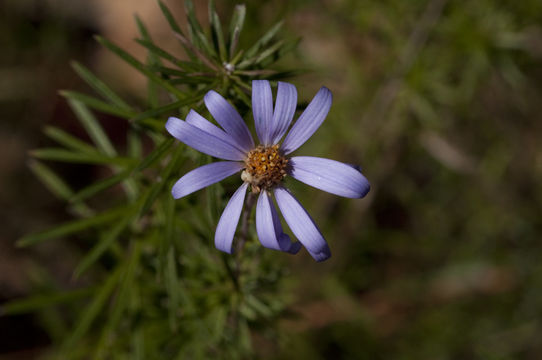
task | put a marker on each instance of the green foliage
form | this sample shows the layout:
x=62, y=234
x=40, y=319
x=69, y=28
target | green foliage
x=438, y=100
x=159, y=286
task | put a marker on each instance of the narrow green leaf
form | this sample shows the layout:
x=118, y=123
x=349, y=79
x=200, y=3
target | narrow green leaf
x=213, y=199
x=175, y=27
x=173, y=288
x=37, y=302
x=288, y=46
x=233, y=45
x=142, y=28
x=258, y=306
x=216, y=32
x=264, y=40
x=139, y=66
x=194, y=27
x=69, y=140
x=99, y=86
x=138, y=344
x=99, y=186
x=134, y=151
x=57, y=186
x=63, y=155
x=152, y=60
x=219, y=318
x=89, y=314
x=262, y=56
x=101, y=247
x=158, y=51
x=270, y=51
x=244, y=97
x=122, y=299
x=237, y=57
x=169, y=17
x=53, y=321
x=154, y=127
x=97, y=104
x=71, y=227
x=210, y=51
x=158, y=186
x=152, y=113
x=245, y=339
x=170, y=71
x=199, y=55
x=134, y=144
x=191, y=80
x=52, y=181
x=93, y=127
x=236, y=26
x=287, y=74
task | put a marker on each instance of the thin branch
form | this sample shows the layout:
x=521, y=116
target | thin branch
x=198, y=53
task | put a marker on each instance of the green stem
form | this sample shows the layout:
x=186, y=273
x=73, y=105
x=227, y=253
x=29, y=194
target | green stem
x=249, y=204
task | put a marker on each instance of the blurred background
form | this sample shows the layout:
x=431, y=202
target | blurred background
x=437, y=100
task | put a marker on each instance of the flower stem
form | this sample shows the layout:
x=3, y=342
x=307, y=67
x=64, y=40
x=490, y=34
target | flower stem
x=243, y=237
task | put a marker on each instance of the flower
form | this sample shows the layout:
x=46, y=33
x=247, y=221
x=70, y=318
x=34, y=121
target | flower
x=263, y=167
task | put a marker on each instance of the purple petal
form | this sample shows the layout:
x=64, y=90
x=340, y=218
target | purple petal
x=309, y=121
x=322, y=255
x=193, y=118
x=302, y=224
x=285, y=105
x=204, y=176
x=230, y=120
x=262, y=108
x=227, y=224
x=202, y=140
x=329, y=175
x=269, y=228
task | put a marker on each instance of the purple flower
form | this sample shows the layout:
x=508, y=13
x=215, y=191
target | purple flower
x=263, y=167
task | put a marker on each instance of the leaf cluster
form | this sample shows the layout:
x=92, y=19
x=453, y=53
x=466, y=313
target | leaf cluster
x=155, y=285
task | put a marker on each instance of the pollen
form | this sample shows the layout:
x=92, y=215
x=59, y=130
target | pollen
x=265, y=167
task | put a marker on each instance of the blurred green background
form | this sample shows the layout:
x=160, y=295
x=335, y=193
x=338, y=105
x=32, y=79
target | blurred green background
x=437, y=100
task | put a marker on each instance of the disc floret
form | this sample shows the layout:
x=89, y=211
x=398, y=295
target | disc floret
x=265, y=167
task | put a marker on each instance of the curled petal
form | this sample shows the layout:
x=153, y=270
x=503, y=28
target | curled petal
x=285, y=105
x=269, y=228
x=202, y=140
x=230, y=120
x=193, y=118
x=302, y=224
x=309, y=121
x=329, y=175
x=204, y=176
x=262, y=108
x=227, y=224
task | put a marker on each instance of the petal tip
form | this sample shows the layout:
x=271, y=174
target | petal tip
x=175, y=193
x=365, y=191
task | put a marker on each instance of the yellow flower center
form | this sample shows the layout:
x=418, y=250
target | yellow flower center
x=265, y=168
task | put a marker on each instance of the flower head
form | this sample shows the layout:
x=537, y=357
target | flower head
x=263, y=167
